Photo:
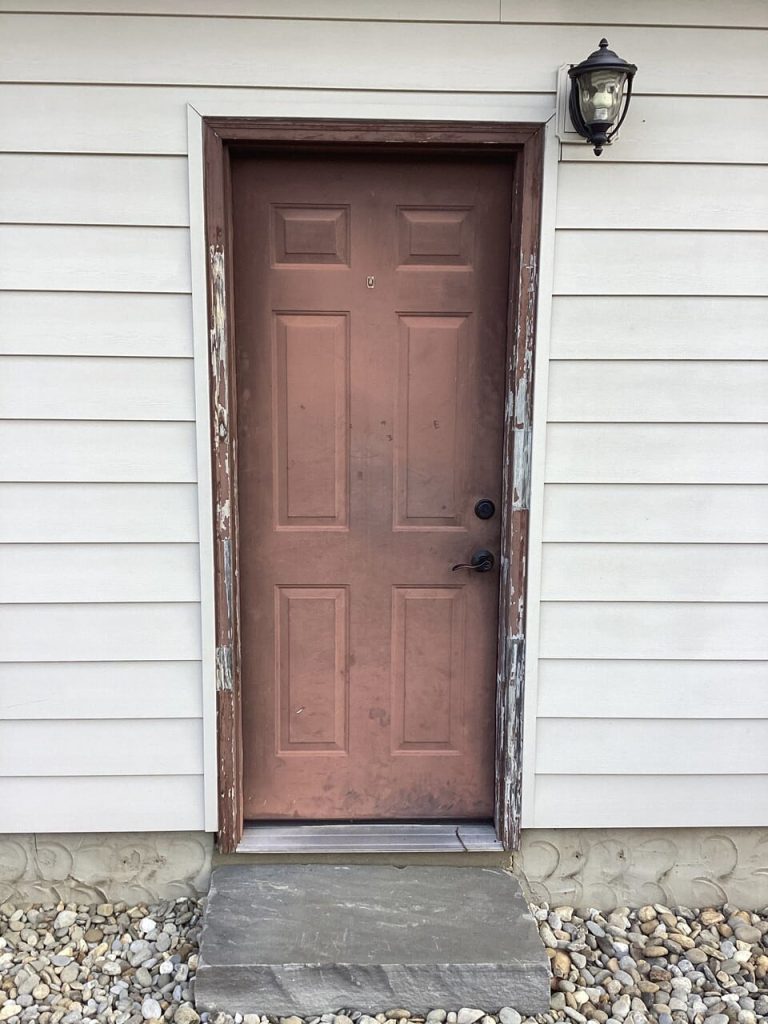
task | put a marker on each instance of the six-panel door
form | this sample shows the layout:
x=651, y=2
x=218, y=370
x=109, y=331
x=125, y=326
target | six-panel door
x=371, y=304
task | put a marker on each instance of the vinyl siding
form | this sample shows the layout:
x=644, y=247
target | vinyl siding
x=650, y=511
x=653, y=616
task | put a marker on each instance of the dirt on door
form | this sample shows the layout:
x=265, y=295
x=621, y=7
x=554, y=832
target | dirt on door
x=370, y=298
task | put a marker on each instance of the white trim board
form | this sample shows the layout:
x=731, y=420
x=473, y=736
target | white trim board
x=204, y=471
x=351, y=105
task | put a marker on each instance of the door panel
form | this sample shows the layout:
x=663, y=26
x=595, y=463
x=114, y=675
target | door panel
x=370, y=316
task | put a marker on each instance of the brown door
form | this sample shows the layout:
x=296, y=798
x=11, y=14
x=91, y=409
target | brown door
x=370, y=300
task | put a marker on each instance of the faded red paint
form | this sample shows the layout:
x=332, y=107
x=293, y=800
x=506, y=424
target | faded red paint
x=371, y=320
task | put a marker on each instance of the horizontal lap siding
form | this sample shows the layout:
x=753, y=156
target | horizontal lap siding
x=50, y=513
x=666, y=391
x=109, y=746
x=654, y=566
x=100, y=259
x=84, y=388
x=746, y=13
x=683, y=197
x=100, y=689
x=64, y=573
x=626, y=746
x=659, y=262
x=51, y=48
x=98, y=451
x=53, y=189
x=658, y=327
x=654, y=572
x=99, y=632
x=692, y=453
x=575, y=689
x=99, y=561
x=678, y=801
x=659, y=513
x=661, y=629
x=395, y=10
x=655, y=505
x=95, y=324
x=101, y=803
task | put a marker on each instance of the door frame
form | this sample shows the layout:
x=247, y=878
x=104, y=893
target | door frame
x=525, y=145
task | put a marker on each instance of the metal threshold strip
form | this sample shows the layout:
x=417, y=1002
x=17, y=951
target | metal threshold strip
x=445, y=837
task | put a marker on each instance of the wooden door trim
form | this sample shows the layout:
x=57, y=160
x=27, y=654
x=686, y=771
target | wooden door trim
x=525, y=142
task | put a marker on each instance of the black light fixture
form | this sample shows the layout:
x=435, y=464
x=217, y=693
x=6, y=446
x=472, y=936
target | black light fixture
x=597, y=91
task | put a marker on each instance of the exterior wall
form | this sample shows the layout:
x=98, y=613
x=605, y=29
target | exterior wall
x=647, y=688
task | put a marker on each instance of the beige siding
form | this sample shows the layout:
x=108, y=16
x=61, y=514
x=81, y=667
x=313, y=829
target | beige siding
x=655, y=506
x=36, y=573
x=100, y=690
x=52, y=323
x=316, y=54
x=109, y=746
x=654, y=572
x=64, y=189
x=90, y=388
x=140, y=631
x=98, y=451
x=659, y=327
x=746, y=13
x=663, y=513
x=653, y=501
x=658, y=391
x=703, y=197
x=101, y=803
x=88, y=513
x=669, y=801
x=94, y=259
x=571, y=689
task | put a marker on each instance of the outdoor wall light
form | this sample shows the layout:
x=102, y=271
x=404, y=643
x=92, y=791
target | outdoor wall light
x=597, y=90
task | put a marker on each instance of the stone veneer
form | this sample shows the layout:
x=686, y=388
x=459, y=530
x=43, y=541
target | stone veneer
x=603, y=868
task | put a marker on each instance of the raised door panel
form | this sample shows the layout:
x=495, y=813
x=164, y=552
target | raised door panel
x=431, y=421
x=311, y=396
x=428, y=641
x=312, y=669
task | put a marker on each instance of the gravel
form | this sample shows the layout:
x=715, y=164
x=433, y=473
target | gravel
x=73, y=964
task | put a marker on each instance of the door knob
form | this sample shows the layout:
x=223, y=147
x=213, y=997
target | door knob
x=481, y=561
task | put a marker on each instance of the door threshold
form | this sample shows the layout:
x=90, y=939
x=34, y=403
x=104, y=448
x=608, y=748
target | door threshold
x=443, y=837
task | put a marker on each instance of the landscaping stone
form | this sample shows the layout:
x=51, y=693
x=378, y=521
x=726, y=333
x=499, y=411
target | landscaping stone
x=675, y=988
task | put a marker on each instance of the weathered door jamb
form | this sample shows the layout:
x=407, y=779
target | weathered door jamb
x=526, y=143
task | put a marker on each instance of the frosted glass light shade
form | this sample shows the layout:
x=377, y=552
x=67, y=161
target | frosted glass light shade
x=600, y=95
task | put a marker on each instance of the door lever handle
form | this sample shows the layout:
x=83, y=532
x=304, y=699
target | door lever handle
x=481, y=561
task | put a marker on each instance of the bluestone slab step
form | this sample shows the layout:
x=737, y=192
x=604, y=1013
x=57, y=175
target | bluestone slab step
x=308, y=939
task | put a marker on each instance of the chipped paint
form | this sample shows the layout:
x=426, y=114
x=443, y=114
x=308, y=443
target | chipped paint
x=219, y=347
x=224, y=667
x=223, y=447
x=219, y=353
x=223, y=513
x=521, y=469
x=226, y=550
x=516, y=490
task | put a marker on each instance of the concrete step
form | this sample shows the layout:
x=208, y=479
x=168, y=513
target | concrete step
x=308, y=939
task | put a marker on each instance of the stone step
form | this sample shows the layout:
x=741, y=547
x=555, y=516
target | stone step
x=301, y=939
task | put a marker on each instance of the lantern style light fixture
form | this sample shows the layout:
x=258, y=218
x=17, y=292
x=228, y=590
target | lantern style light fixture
x=599, y=86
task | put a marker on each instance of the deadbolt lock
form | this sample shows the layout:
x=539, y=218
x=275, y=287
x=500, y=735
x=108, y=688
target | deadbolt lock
x=485, y=509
